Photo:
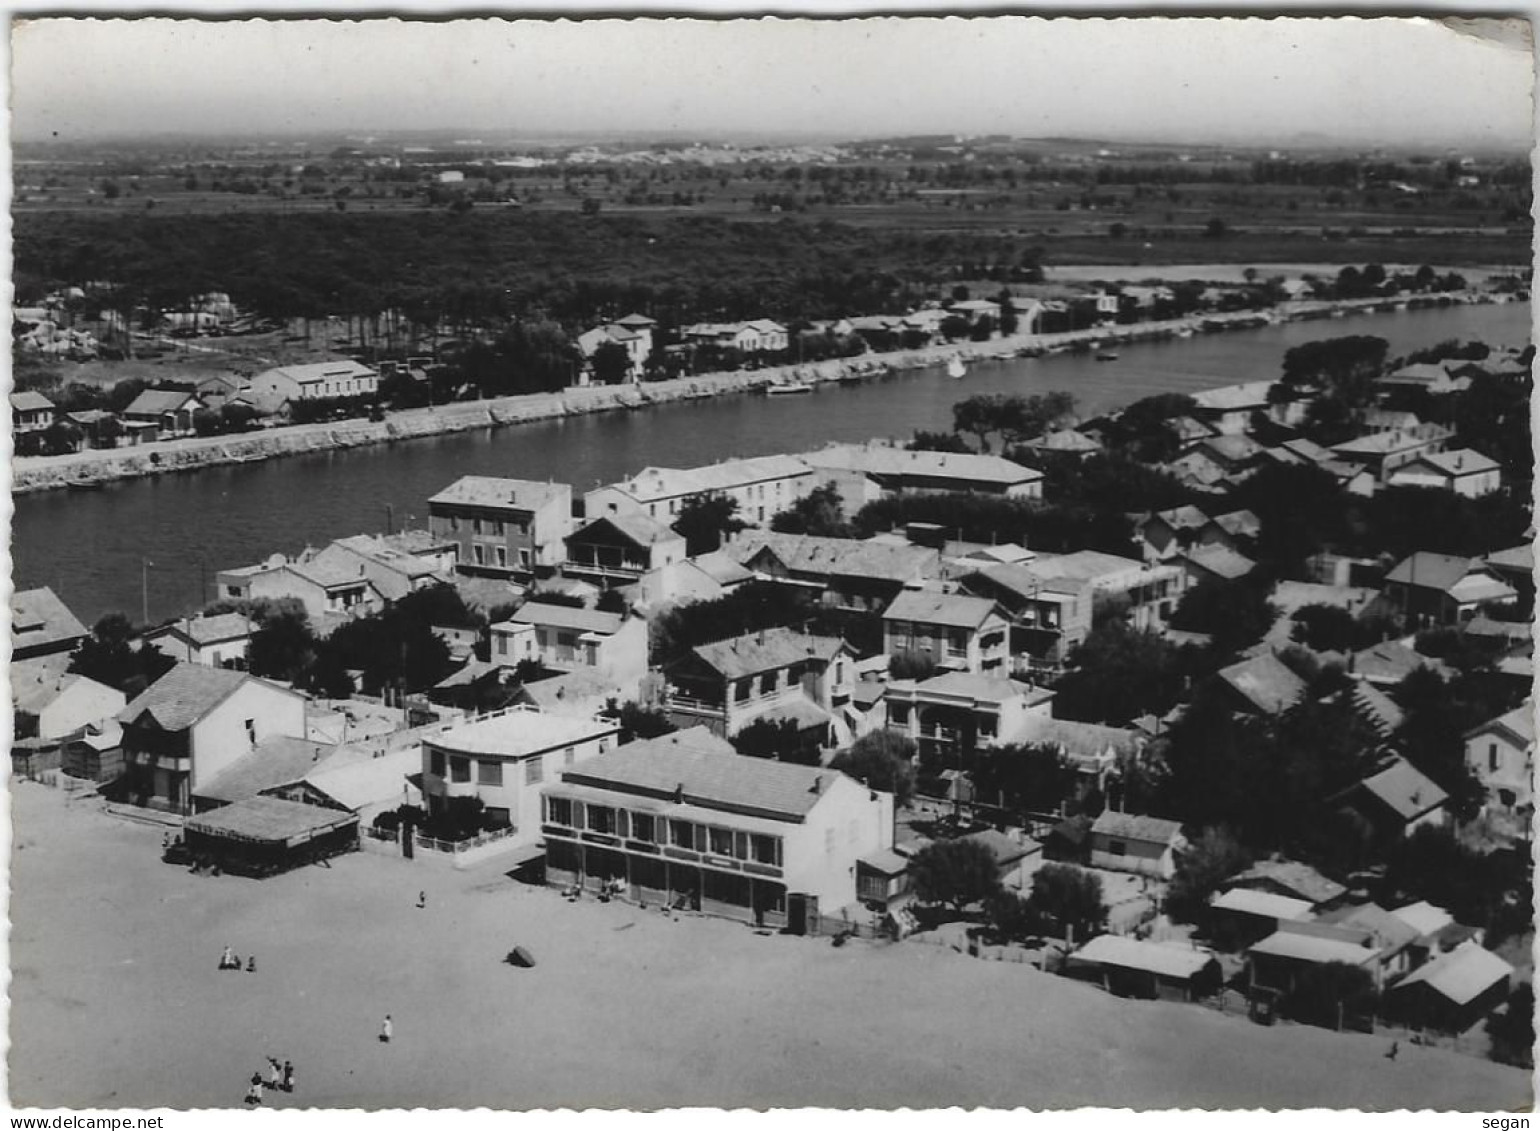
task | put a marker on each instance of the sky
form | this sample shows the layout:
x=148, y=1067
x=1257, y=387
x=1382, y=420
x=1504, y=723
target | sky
x=1262, y=81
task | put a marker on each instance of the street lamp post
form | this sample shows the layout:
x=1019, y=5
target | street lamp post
x=144, y=591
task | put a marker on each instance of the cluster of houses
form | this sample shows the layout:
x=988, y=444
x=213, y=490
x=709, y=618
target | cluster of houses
x=972, y=637
x=170, y=413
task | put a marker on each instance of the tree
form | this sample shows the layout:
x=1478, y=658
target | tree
x=1071, y=898
x=284, y=648
x=778, y=740
x=1119, y=672
x=1326, y=628
x=109, y=656
x=954, y=872
x=1513, y=1029
x=1033, y=778
x=881, y=760
x=979, y=416
x=637, y=722
x=820, y=512
x=611, y=364
x=1216, y=229
x=938, y=442
x=1235, y=613
x=1200, y=871
x=1011, y=916
x=706, y=521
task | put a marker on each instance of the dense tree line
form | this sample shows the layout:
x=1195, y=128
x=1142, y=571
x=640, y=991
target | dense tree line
x=481, y=267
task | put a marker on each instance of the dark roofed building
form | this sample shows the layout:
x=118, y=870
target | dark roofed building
x=42, y=625
x=1262, y=685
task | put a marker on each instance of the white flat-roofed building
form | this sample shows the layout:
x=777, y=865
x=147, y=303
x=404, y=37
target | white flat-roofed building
x=681, y=820
x=504, y=758
x=950, y=716
x=762, y=487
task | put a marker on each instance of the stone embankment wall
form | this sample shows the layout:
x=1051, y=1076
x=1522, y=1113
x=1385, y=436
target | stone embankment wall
x=86, y=468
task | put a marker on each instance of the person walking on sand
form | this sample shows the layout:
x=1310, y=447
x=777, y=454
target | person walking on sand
x=422, y=899
x=387, y=1030
x=288, y=1076
x=274, y=1074
x=251, y=964
x=227, y=959
x=254, y=1091
x=1395, y=1048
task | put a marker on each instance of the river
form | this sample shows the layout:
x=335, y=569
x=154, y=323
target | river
x=91, y=547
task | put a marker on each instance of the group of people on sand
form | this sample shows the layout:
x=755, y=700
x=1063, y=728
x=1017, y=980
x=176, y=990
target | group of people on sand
x=229, y=960
x=280, y=1078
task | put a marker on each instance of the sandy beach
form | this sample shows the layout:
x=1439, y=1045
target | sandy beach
x=116, y=1001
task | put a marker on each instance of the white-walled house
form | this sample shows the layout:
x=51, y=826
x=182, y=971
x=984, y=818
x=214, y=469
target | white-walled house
x=1462, y=471
x=195, y=721
x=505, y=758
x=568, y=639
x=1124, y=842
x=1501, y=752
x=217, y=641
x=319, y=381
x=958, y=632
x=682, y=820
x=762, y=487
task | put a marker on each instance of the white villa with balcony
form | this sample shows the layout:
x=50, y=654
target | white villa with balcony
x=617, y=549
x=775, y=674
x=683, y=821
x=505, y=757
x=950, y=716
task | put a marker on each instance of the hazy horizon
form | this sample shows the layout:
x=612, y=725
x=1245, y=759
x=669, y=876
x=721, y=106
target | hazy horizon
x=1322, y=82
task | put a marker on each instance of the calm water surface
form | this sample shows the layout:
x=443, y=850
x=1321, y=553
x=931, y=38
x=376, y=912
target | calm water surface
x=90, y=546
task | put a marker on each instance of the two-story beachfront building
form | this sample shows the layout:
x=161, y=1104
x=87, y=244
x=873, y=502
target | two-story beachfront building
x=956, y=631
x=505, y=758
x=510, y=528
x=776, y=674
x=682, y=821
x=762, y=487
x=195, y=721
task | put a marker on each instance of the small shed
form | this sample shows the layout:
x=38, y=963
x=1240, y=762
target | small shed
x=1135, y=968
x=1453, y=992
x=1126, y=842
x=1242, y=916
x=262, y=836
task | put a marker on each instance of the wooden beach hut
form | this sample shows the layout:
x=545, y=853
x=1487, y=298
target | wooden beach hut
x=262, y=836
